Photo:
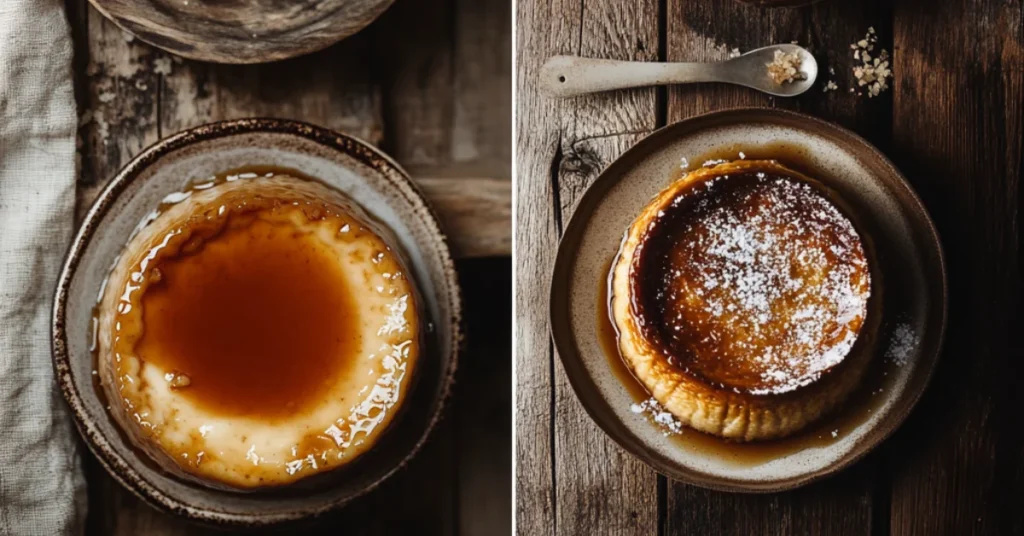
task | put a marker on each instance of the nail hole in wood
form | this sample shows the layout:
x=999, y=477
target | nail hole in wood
x=561, y=79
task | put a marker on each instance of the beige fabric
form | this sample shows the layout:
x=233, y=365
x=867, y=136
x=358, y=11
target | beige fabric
x=42, y=490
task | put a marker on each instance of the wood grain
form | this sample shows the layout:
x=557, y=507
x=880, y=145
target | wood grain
x=536, y=238
x=599, y=485
x=957, y=466
x=242, y=31
x=578, y=480
x=348, y=97
x=136, y=95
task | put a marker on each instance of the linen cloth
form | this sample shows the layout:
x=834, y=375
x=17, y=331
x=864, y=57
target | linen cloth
x=42, y=490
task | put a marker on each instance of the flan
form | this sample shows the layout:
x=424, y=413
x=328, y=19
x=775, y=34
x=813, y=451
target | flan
x=741, y=300
x=262, y=330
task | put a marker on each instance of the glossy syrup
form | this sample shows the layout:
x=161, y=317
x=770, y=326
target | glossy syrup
x=255, y=321
x=258, y=321
x=866, y=400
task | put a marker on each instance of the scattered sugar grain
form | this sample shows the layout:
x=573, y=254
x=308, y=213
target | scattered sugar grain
x=872, y=71
x=652, y=409
x=902, y=344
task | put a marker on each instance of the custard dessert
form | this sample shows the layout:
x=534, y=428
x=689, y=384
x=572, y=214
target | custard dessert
x=739, y=296
x=260, y=331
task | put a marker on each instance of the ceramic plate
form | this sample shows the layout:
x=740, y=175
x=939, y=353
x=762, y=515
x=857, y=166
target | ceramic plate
x=908, y=257
x=241, y=31
x=370, y=178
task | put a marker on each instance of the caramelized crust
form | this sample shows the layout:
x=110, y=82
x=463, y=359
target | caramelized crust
x=739, y=295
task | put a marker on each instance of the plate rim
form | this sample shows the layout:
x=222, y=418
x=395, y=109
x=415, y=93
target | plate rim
x=282, y=54
x=566, y=348
x=349, y=145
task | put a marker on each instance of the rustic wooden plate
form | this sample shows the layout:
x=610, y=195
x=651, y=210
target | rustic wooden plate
x=363, y=173
x=241, y=31
x=908, y=256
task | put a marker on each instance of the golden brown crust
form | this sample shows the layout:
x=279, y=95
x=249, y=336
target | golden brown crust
x=740, y=295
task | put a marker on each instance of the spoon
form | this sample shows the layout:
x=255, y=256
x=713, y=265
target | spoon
x=569, y=76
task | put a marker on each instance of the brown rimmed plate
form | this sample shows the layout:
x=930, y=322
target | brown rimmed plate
x=908, y=256
x=363, y=173
x=241, y=31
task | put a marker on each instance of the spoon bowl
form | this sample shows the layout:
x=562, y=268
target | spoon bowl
x=751, y=70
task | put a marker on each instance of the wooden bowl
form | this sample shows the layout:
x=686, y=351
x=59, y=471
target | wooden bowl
x=365, y=175
x=241, y=31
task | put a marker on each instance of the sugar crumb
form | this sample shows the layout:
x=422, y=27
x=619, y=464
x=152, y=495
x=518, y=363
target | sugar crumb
x=657, y=414
x=902, y=344
x=785, y=68
x=871, y=71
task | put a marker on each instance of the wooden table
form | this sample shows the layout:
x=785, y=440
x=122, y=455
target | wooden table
x=429, y=83
x=952, y=122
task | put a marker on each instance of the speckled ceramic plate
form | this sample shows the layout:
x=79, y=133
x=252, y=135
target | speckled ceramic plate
x=366, y=175
x=908, y=259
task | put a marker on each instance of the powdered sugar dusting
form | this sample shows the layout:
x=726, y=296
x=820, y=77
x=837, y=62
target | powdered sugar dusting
x=776, y=274
x=659, y=415
x=902, y=344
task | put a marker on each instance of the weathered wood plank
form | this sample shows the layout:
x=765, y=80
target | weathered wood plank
x=335, y=88
x=536, y=239
x=119, y=107
x=702, y=31
x=413, y=45
x=347, y=98
x=600, y=488
x=482, y=85
x=957, y=465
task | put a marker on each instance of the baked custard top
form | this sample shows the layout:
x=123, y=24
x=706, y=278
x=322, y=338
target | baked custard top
x=750, y=279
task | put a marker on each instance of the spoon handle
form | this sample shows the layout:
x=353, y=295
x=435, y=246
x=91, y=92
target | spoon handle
x=569, y=76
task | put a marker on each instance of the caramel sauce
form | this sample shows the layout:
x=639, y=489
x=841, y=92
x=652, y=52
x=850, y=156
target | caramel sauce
x=233, y=348
x=256, y=321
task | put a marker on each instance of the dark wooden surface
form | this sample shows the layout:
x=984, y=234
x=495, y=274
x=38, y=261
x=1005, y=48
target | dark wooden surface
x=953, y=124
x=429, y=83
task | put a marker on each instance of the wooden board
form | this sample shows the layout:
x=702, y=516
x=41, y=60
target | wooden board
x=456, y=148
x=953, y=123
x=136, y=94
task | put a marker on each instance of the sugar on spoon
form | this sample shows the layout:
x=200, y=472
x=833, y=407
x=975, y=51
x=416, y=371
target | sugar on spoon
x=569, y=76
